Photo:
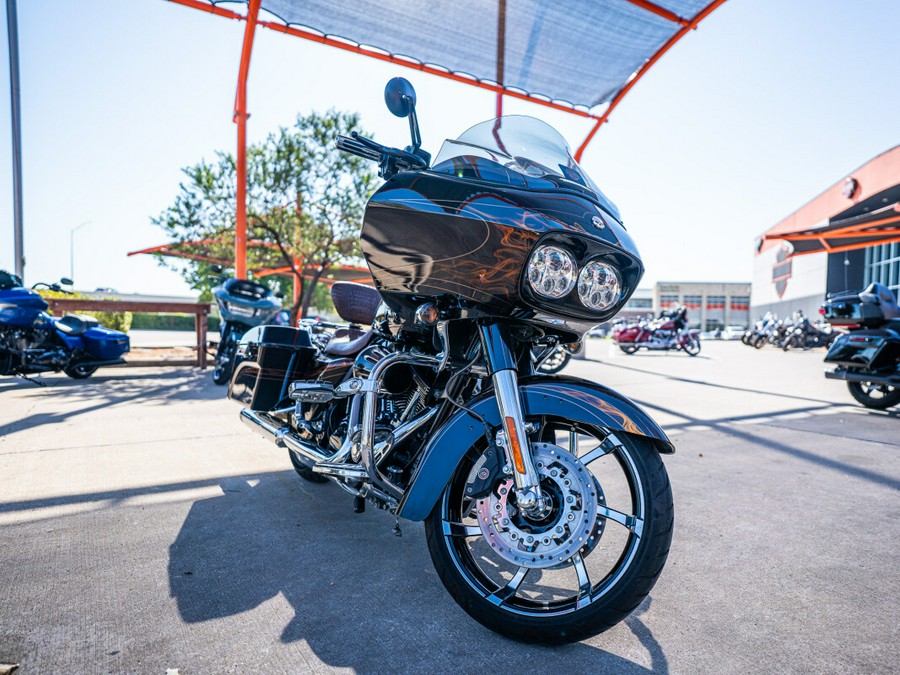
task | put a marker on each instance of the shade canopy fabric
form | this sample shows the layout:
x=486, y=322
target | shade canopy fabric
x=581, y=52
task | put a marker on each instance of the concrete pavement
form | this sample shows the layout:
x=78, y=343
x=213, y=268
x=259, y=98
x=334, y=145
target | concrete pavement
x=142, y=528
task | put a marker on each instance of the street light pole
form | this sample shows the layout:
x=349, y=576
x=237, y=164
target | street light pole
x=13, y=38
x=72, y=248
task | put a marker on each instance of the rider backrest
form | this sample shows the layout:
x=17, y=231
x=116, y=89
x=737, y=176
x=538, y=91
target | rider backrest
x=355, y=303
x=880, y=294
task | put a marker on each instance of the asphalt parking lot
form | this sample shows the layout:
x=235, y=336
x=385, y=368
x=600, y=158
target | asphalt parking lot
x=143, y=529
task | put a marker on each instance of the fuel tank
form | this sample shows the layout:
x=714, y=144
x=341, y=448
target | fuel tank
x=19, y=307
x=435, y=236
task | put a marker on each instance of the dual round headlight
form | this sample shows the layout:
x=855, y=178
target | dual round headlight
x=552, y=273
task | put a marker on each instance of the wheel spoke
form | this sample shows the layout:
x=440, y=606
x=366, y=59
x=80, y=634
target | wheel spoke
x=584, y=582
x=460, y=530
x=633, y=523
x=598, y=452
x=504, y=593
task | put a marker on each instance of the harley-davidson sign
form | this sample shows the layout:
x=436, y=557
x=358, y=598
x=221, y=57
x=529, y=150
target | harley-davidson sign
x=781, y=270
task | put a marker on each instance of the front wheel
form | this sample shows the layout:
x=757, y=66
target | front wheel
x=550, y=579
x=628, y=349
x=224, y=359
x=692, y=346
x=878, y=396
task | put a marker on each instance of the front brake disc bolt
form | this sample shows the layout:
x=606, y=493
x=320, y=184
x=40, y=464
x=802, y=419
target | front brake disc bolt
x=545, y=541
x=553, y=473
x=571, y=516
x=559, y=530
x=570, y=499
x=530, y=540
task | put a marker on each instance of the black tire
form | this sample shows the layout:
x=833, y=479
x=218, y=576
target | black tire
x=554, y=363
x=692, y=346
x=885, y=396
x=305, y=472
x=77, y=372
x=759, y=342
x=224, y=362
x=628, y=349
x=594, y=606
x=789, y=343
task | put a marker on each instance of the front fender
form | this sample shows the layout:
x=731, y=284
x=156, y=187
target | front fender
x=569, y=397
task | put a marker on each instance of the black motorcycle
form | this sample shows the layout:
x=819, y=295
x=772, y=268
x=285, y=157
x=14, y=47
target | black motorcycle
x=242, y=305
x=547, y=509
x=868, y=356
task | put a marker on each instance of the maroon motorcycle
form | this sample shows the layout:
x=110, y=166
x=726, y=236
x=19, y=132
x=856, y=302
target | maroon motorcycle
x=669, y=332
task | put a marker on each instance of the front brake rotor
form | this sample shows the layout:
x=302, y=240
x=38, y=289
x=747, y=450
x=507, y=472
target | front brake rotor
x=572, y=525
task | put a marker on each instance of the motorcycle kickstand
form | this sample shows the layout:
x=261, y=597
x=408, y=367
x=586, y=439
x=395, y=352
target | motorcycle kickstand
x=37, y=383
x=396, y=529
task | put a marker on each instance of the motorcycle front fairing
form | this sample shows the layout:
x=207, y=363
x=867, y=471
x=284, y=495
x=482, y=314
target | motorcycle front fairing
x=462, y=232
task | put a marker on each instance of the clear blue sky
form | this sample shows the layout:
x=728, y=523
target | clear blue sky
x=746, y=119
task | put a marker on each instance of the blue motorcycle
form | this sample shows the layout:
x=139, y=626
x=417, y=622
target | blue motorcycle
x=32, y=341
x=242, y=305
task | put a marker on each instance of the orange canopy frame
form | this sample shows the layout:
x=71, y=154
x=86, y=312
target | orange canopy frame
x=252, y=20
x=199, y=250
x=859, y=211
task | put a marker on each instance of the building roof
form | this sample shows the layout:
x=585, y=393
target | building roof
x=860, y=210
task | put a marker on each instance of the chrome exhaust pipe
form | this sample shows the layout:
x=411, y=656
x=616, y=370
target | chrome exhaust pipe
x=282, y=435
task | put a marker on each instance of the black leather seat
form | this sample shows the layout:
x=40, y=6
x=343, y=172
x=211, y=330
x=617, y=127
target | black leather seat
x=349, y=342
x=74, y=325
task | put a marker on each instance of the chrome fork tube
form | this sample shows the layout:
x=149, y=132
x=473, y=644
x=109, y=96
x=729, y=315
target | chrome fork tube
x=501, y=365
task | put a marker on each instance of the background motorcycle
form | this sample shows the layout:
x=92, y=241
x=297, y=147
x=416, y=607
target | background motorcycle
x=32, y=341
x=667, y=333
x=242, y=305
x=804, y=335
x=867, y=358
x=427, y=405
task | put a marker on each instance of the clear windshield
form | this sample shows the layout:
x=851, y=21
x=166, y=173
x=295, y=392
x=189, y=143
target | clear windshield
x=517, y=150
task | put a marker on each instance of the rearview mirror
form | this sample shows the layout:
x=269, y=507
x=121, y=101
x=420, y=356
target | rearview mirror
x=66, y=281
x=279, y=295
x=400, y=97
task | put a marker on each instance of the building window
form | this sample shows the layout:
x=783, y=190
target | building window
x=883, y=266
x=639, y=303
x=714, y=302
x=740, y=303
x=668, y=301
x=693, y=301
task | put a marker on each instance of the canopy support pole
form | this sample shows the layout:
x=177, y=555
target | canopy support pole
x=12, y=30
x=501, y=53
x=640, y=72
x=240, y=117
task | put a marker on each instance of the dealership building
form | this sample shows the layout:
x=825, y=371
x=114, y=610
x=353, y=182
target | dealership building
x=844, y=239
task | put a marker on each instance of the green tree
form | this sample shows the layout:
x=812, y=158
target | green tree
x=305, y=202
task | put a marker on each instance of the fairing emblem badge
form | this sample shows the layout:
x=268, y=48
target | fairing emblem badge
x=598, y=222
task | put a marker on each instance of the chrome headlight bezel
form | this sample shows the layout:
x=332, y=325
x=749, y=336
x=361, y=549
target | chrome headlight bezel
x=599, y=285
x=551, y=271
x=584, y=249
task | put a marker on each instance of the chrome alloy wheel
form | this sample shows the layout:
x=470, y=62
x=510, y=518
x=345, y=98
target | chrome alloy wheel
x=554, y=573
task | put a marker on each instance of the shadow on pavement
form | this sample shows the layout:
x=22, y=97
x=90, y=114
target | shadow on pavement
x=103, y=391
x=361, y=597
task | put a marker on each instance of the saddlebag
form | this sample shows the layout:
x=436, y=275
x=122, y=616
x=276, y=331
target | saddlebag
x=105, y=344
x=268, y=359
x=866, y=349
